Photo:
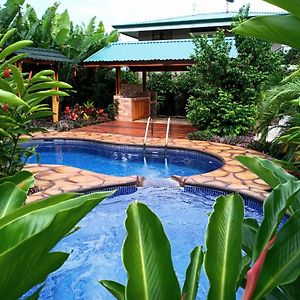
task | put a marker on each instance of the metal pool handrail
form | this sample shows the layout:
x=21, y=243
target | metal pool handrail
x=147, y=129
x=168, y=131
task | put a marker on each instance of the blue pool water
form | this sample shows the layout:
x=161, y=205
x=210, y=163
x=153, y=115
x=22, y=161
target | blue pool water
x=96, y=247
x=124, y=160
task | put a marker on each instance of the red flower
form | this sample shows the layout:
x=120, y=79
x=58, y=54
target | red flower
x=67, y=110
x=73, y=116
x=6, y=72
x=30, y=75
x=5, y=107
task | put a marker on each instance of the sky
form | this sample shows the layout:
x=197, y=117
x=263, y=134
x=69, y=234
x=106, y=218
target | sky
x=127, y=11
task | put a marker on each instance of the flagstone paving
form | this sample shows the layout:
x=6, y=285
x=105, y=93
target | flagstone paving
x=232, y=176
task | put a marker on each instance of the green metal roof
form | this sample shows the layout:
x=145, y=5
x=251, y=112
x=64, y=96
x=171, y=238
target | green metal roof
x=41, y=54
x=205, y=18
x=163, y=50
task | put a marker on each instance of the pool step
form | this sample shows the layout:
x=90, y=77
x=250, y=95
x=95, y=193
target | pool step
x=160, y=182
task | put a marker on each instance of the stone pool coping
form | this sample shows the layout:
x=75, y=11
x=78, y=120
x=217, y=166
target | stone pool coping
x=232, y=176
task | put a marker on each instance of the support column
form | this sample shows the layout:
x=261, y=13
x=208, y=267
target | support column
x=144, y=80
x=118, y=80
x=55, y=103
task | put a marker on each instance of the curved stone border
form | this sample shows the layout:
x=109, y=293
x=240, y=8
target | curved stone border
x=232, y=176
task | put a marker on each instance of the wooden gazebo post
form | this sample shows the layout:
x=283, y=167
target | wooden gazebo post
x=144, y=80
x=118, y=80
x=55, y=102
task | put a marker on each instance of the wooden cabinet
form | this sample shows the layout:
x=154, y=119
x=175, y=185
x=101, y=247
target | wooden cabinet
x=140, y=108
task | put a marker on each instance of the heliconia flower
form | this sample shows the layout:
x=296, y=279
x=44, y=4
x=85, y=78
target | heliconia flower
x=6, y=72
x=254, y=272
x=30, y=75
x=5, y=107
x=67, y=110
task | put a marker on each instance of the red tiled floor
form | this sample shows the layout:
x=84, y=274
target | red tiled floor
x=137, y=129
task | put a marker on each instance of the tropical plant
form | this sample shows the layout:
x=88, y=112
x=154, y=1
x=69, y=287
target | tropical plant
x=226, y=90
x=21, y=98
x=283, y=100
x=9, y=13
x=283, y=29
x=29, y=232
x=267, y=269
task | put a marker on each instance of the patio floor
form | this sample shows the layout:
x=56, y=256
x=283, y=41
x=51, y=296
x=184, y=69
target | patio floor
x=179, y=128
x=232, y=176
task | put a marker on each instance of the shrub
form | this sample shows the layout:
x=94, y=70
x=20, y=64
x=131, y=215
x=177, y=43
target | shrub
x=227, y=90
x=21, y=96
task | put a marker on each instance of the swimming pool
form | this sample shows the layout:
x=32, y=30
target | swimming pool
x=96, y=247
x=123, y=160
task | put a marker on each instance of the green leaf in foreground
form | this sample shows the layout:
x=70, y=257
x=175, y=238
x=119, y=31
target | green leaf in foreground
x=279, y=29
x=11, y=198
x=147, y=257
x=190, y=287
x=282, y=263
x=266, y=170
x=29, y=234
x=115, y=288
x=224, y=247
x=275, y=206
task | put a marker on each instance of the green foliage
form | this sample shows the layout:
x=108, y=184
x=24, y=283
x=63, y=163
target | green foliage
x=282, y=101
x=228, y=233
x=56, y=31
x=226, y=90
x=220, y=114
x=130, y=77
x=96, y=85
x=172, y=89
x=21, y=99
x=282, y=29
x=29, y=233
x=8, y=13
x=224, y=242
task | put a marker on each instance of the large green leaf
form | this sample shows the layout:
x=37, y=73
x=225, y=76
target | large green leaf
x=292, y=289
x=4, y=133
x=18, y=79
x=6, y=36
x=280, y=29
x=30, y=232
x=12, y=60
x=4, y=85
x=115, y=288
x=147, y=257
x=49, y=85
x=275, y=206
x=249, y=229
x=23, y=179
x=288, y=5
x=282, y=263
x=13, y=48
x=266, y=170
x=224, y=247
x=11, y=198
x=10, y=98
x=38, y=215
x=190, y=287
x=41, y=95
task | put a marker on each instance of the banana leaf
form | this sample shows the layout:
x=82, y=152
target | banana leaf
x=147, y=257
x=223, y=257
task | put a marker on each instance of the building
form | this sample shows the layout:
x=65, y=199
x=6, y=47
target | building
x=161, y=45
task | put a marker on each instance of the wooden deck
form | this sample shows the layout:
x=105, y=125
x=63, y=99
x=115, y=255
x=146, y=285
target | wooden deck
x=179, y=130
